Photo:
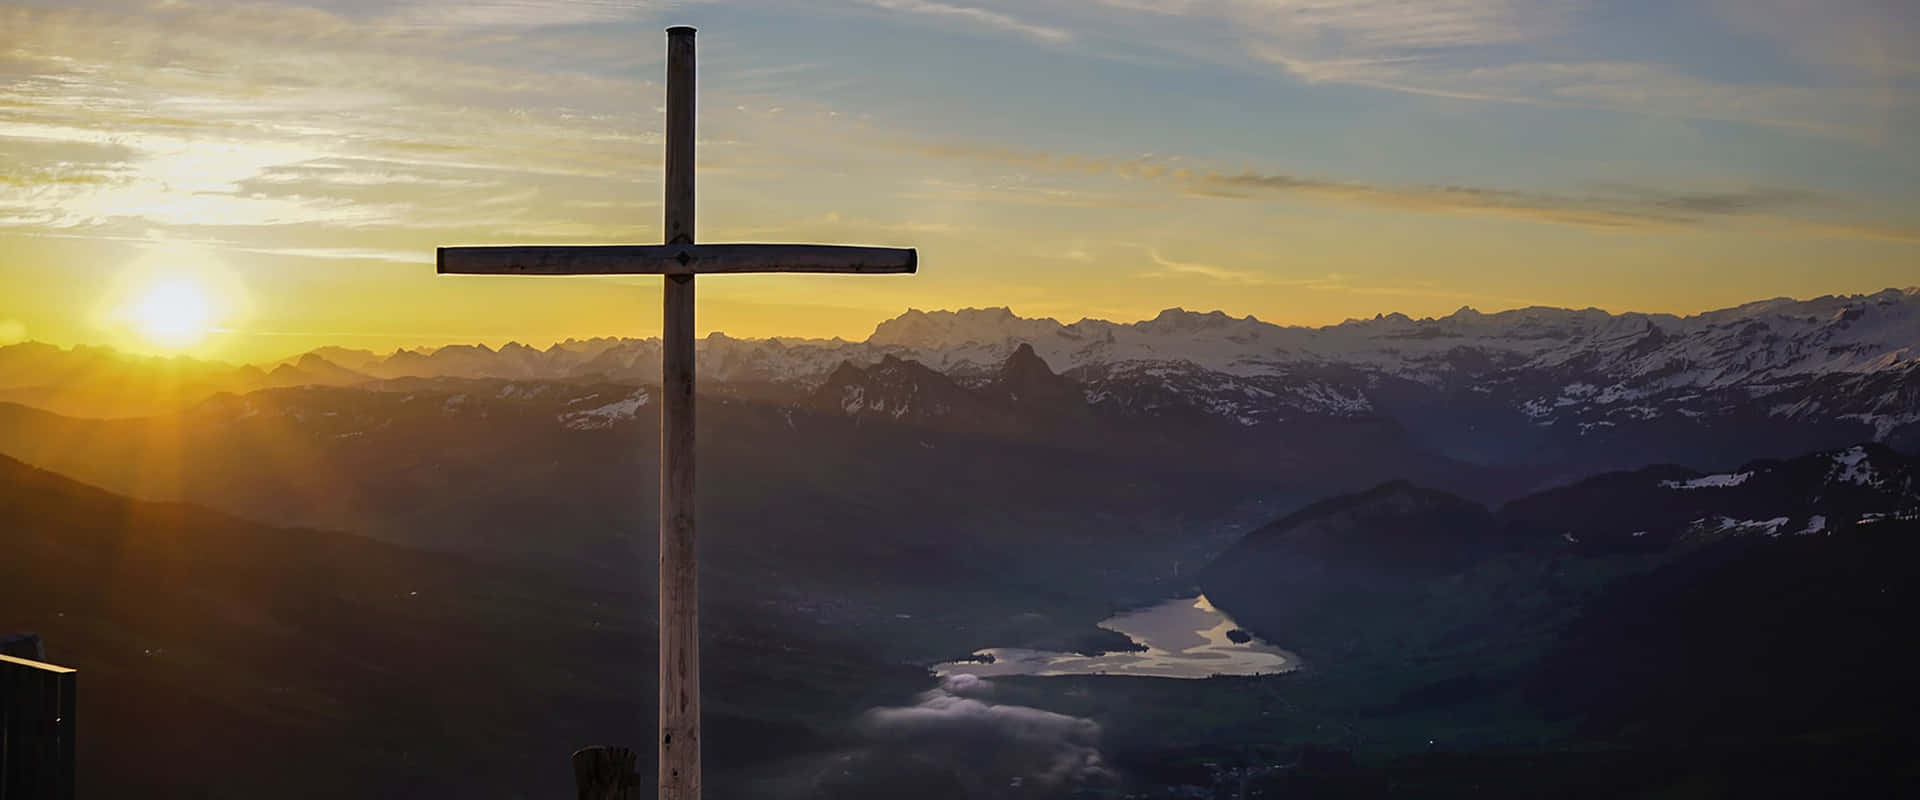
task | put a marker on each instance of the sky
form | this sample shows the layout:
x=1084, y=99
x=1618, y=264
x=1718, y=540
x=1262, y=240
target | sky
x=246, y=181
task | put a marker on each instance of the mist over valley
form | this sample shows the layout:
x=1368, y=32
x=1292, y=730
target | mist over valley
x=969, y=554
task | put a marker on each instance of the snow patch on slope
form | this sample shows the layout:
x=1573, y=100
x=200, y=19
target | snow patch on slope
x=1768, y=527
x=1884, y=424
x=1710, y=481
x=604, y=417
x=1851, y=466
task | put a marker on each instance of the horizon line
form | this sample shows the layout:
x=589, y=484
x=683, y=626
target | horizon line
x=459, y=340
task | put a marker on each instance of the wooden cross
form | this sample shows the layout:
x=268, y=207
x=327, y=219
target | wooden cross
x=679, y=260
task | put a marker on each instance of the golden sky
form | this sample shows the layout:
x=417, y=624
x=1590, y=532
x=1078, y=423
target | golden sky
x=245, y=181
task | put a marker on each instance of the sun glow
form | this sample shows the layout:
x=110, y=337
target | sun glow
x=172, y=313
x=171, y=300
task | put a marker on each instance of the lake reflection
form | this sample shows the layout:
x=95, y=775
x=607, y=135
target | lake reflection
x=1185, y=638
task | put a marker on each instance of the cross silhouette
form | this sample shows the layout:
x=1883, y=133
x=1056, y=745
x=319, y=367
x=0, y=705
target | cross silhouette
x=679, y=260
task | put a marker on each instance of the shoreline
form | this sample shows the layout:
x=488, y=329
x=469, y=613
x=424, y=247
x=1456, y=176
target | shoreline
x=1205, y=658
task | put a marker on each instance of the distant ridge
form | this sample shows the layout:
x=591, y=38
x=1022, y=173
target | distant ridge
x=916, y=328
x=1850, y=360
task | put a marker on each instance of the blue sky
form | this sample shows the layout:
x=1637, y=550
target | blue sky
x=1300, y=160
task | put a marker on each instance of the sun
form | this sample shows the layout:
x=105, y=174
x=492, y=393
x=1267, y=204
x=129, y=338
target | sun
x=173, y=298
x=173, y=313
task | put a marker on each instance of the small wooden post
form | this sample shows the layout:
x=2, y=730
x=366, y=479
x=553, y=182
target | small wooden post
x=606, y=773
x=36, y=730
x=679, y=573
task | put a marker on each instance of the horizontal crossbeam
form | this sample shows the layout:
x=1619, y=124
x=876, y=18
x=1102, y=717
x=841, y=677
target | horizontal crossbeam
x=674, y=259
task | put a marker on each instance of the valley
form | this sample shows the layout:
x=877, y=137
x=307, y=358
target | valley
x=1459, y=550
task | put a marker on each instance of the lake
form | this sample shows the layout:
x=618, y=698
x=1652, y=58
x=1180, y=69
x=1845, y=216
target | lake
x=1185, y=638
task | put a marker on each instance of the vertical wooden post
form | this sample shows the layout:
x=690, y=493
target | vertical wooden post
x=679, y=742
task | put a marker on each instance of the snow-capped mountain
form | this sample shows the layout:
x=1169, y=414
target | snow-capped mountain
x=1023, y=398
x=1820, y=493
x=1586, y=390
x=1579, y=367
x=1767, y=339
x=1514, y=385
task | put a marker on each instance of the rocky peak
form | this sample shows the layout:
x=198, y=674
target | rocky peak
x=1179, y=319
x=946, y=329
x=1025, y=378
x=845, y=373
x=1024, y=364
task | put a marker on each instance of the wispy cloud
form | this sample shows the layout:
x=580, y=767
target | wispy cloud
x=1598, y=205
x=1903, y=234
x=279, y=128
x=1373, y=24
x=1332, y=282
x=346, y=253
x=1209, y=271
x=1608, y=206
x=1876, y=39
x=1012, y=192
x=1518, y=51
x=517, y=14
x=975, y=16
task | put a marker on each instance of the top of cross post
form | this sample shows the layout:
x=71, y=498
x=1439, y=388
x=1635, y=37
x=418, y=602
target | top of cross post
x=680, y=30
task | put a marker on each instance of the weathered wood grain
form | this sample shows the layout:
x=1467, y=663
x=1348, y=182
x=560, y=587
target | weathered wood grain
x=679, y=732
x=675, y=259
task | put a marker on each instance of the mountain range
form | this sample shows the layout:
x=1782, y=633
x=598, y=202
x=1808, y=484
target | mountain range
x=1560, y=392
x=1541, y=529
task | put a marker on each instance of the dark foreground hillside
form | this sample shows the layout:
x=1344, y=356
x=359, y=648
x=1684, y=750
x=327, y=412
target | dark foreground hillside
x=1739, y=634
x=222, y=658
x=1657, y=633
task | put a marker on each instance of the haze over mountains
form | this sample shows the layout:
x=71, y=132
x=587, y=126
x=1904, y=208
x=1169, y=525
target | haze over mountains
x=263, y=652
x=975, y=424
x=1471, y=527
x=1634, y=614
x=1658, y=607
x=1570, y=391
